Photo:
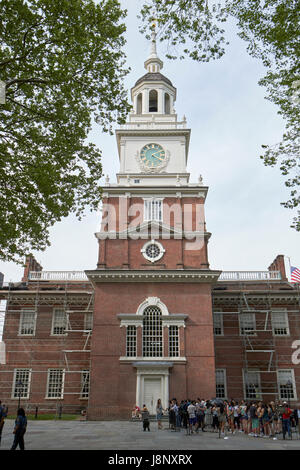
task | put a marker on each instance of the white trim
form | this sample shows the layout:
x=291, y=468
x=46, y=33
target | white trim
x=249, y=371
x=218, y=313
x=56, y=309
x=225, y=382
x=62, y=384
x=283, y=311
x=24, y=311
x=14, y=383
x=253, y=317
x=292, y=373
x=152, y=302
x=159, y=246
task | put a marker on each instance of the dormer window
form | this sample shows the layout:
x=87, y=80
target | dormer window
x=153, y=95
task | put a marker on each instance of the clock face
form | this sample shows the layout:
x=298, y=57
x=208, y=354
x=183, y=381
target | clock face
x=152, y=155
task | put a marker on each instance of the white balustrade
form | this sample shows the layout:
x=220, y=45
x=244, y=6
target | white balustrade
x=250, y=276
x=57, y=276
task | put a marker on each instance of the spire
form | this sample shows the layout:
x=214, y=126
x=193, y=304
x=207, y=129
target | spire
x=153, y=64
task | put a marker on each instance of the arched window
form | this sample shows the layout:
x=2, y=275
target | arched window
x=152, y=332
x=167, y=103
x=153, y=101
x=139, y=104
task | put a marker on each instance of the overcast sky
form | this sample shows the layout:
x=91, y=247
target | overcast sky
x=230, y=119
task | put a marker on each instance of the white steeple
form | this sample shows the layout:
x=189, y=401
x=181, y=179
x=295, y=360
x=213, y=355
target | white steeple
x=153, y=64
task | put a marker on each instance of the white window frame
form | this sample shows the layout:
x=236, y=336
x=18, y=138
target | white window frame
x=224, y=384
x=155, y=347
x=131, y=341
x=259, y=393
x=16, y=379
x=217, y=313
x=88, y=322
x=292, y=378
x=152, y=213
x=51, y=369
x=25, y=311
x=56, y=310
x=174, y=341
x=159, y=246
x=242, y=316
x=84, y=395
x=285, y=322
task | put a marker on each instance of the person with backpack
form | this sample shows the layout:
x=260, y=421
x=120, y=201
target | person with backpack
x=19, y=430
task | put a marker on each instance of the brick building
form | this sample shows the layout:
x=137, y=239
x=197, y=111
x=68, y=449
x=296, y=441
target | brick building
x=152, y=320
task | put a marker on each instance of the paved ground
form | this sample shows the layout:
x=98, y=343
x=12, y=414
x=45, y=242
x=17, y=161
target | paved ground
x=121, y=435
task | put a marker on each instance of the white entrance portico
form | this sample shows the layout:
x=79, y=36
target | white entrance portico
x=152, y=384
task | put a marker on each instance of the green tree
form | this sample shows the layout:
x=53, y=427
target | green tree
x=63, y=65
x=195, y=29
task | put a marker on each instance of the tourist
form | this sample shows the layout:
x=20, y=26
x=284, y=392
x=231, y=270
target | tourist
x=286, y=420
x=145, y=418
x=159, y=413
x=215, y=418
x=222, y=418
x=191, y=409
x=19, y=430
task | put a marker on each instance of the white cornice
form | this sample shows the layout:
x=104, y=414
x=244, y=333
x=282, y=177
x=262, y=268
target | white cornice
x=176, y=275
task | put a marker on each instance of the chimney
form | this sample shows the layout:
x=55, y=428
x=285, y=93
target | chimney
x=31, y=264
x=278, y=265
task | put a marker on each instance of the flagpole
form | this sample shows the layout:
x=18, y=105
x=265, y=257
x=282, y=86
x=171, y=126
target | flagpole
x=290, y=267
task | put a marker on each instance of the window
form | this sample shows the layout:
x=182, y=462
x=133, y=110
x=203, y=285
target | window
x=153, y=101
x=59, y=323
x=21, y=383
x=247, y=323
x=131, y=341
x=167, y=103
x=221, y=383
x=85, y=384
x=139, y=105
x=252, y=385
x=153, y=251
x=88, y=321
x=286, y=384
x=152, y=332
x=218, y=323
x=27, y=322
x=280, y=323
x=55, y=385
x=153, y=210
x=173, y=341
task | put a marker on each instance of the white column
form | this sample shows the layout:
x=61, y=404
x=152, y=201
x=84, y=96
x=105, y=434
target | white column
x=145, y=101
x=166, y=395
x=160, y=99
x=138, y=389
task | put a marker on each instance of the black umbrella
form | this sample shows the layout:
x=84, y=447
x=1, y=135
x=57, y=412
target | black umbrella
x=217, y=401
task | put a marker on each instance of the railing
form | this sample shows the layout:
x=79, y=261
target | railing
x=57, y=276
x=250, y=276
x=225, y=276
x=154, y=125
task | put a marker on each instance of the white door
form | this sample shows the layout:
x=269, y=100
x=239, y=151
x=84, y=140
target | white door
x=152, y=392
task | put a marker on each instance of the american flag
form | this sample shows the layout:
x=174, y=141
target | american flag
x=295, y=274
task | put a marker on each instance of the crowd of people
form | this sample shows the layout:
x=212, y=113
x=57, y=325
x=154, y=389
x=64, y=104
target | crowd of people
x=255, y=419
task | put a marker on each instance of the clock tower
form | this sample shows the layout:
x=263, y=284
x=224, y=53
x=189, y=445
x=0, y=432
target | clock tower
x=153, y=327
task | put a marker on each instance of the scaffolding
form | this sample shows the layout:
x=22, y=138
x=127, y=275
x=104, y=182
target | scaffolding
x=39, y=353
x=254, y=352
